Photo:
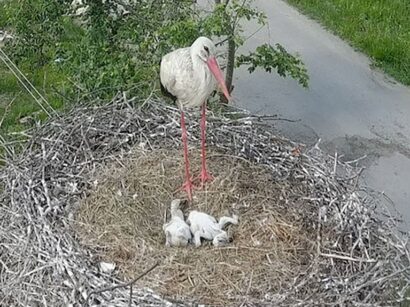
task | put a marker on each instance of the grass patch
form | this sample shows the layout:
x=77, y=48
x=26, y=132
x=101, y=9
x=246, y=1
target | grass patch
x=379, y=28
x=18, y=109
x=16, y=103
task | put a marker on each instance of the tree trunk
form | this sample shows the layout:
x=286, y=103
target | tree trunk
x=231, y=56
x=229, y=67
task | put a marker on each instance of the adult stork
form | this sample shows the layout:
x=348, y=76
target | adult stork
x=189, y=76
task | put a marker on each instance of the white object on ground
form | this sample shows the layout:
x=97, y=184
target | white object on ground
x=177, y=231
x=107, y=267
x=4, y=36
x=205, y=226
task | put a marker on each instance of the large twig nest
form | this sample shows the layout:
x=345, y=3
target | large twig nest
x=94, y=186
x=122, y=220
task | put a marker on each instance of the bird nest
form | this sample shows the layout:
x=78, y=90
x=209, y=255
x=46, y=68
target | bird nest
x=94, y=186
x=122, y=220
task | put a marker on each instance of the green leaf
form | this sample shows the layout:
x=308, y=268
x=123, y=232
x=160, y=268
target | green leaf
x=269, y=58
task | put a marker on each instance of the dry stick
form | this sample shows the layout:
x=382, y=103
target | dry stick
x=6, y=110
x=156, y=124
x=4, y=144
x=130, y=283
x=130, y=301
x=21, y=77
x=347, y=258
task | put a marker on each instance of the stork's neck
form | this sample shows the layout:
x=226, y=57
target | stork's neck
x=201, y=69
x=197, y=63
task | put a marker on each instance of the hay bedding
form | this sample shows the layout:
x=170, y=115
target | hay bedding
x=78, y=195
x=123, y=217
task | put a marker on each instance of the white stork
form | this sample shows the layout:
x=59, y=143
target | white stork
x=189, y=76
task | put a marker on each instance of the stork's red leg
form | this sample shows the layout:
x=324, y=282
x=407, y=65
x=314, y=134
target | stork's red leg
x=205, y=176
x=187, y=186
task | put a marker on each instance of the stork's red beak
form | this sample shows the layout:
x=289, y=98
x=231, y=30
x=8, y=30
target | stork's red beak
x=216, y=71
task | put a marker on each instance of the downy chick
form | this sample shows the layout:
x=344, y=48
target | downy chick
x=177, y=232
x=205, y=226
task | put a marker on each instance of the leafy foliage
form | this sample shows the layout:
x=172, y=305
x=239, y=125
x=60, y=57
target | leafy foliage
x=121, y=50
x=117, y=46
x=39, y=24
x=225, y=21
x=268, y=58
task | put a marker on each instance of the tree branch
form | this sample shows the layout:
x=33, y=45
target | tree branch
x=122, y=285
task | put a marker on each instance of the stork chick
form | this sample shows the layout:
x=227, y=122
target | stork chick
x=205, y=226
x=177, y=232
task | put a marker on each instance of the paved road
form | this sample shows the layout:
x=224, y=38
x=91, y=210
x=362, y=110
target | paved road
x=351, y=107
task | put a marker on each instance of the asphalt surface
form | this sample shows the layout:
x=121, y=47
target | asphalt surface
x=354, y=109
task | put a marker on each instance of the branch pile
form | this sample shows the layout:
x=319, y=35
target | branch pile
x=359, y=256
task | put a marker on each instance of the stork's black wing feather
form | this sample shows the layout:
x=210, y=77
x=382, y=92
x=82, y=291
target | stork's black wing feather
x=165, y=91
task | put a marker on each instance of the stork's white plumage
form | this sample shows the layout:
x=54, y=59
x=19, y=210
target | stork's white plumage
x=189, y=75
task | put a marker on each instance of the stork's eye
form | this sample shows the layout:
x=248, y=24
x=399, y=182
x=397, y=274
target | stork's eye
x=206, y=49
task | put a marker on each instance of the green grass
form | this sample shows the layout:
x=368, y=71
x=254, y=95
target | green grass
x=379, y=28
x=16, y=103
